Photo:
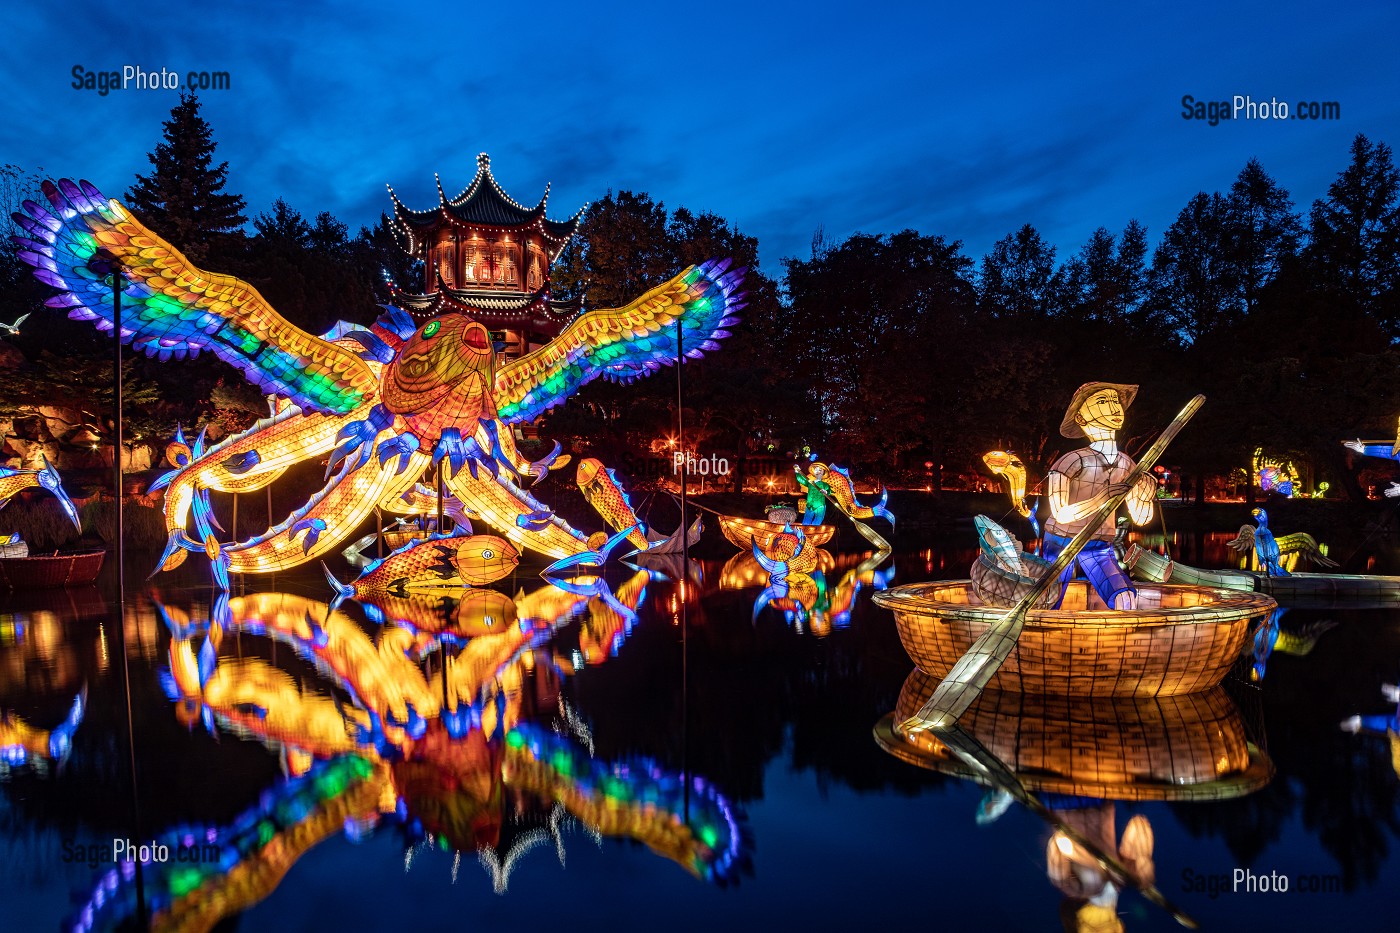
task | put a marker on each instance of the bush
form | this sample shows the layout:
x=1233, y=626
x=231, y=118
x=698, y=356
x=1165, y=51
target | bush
x=39, y=521
x=143, y=526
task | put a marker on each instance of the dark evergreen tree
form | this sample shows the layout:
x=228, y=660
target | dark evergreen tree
x=183, y=198
x=1019, y=278
x=1194, y=286
x=1355, y=243
x=1265, y=228
x=394, y=266
x=877, y=332
x=1107, y=280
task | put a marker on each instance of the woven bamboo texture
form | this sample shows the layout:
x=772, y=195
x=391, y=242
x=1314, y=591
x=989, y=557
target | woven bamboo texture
x=996, y=586
x=1329, y=588
x=1180, y=640
x=1172, y=748
x=739, y=531
x=28, y=573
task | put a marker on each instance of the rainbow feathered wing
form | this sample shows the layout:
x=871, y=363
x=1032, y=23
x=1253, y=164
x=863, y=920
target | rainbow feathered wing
x=625, y=343
x=173, y=309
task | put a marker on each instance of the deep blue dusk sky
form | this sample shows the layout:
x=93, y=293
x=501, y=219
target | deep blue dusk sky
x=965, y=122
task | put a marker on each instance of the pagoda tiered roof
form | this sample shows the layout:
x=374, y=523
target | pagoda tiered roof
x=483, y=205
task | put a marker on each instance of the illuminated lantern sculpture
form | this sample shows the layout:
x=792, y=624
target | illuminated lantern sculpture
x=1384, y=451
x=1009, y=466
x=436, y=563
x=1270, y=550
x=1082, y=480
x=823, y=482
x=12, y=481
x=384, y=403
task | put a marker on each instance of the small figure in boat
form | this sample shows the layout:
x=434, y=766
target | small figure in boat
x=814, y=482
x=1081, y=481
x=1271, y=550
x=824, y=482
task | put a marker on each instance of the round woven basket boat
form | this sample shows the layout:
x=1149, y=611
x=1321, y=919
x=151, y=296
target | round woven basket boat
x=740, y=531
x=1180, y=639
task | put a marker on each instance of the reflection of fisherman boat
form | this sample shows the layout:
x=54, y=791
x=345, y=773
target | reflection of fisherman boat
x=77, y=568
x=742, y=532
x=1170, y=748
x=1152, y=567
x=1180, y=639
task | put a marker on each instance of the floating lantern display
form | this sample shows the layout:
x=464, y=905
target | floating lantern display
x=383, y=403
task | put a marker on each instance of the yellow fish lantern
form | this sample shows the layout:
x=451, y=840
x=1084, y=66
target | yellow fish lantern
x=1010, y=467
x=434, y=564
x=600, y=487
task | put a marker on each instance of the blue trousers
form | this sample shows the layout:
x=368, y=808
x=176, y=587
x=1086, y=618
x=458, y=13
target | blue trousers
x=1099, y=564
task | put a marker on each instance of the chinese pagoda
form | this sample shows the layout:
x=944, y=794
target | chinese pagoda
x=487, y=256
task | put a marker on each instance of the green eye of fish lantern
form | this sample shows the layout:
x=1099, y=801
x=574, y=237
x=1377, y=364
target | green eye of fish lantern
x=431, y=328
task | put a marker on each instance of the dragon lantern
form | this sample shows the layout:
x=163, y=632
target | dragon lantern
x=383, y=403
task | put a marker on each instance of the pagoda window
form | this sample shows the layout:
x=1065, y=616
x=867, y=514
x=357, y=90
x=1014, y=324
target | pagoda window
x=478, y=262
x=534, y=276
x=507, y=263
x=447, y=264
x=498, y=271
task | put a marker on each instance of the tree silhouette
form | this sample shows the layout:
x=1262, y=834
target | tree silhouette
x=1267, y=232
x=1355, y=247
x=183, y=197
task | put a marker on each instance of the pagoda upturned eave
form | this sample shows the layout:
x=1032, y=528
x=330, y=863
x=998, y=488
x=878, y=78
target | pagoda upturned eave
x=536, y=312
x=484, y=206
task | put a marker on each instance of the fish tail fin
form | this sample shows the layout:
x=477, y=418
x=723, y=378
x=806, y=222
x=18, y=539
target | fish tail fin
x=342, y=590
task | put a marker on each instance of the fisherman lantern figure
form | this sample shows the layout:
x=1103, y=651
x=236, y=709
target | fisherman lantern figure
x=1083, y=480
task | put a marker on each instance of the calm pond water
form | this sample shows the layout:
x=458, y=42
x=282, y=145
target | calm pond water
x=649, y=754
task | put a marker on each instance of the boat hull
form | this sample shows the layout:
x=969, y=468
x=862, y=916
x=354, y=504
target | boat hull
x=1325, y=588
x=1180, y=640
x=1182, y=748
x=741, y=531
x=50, y=571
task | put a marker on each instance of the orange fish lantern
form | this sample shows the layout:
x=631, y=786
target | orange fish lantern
x=442, y=376
x=434, y=564
x=600, y=487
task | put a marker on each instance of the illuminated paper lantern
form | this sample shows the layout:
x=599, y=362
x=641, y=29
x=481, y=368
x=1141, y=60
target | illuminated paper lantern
x=383, y=402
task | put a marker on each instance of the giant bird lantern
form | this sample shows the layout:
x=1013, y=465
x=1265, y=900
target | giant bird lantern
x=383, y=403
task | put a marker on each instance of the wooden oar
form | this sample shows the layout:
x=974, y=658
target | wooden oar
x=988, y=653
x=994, y=770
x=876, y=540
